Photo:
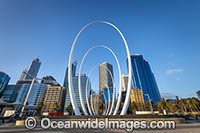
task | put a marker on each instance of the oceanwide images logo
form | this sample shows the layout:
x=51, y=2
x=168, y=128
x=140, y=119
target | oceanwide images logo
x=129, y=125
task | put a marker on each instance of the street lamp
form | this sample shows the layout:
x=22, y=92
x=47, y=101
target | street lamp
x=26, y=99
x=150, y=103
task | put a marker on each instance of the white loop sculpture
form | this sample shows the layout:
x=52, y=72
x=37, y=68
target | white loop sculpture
x=86, y=96
x=70, y=84
x=106, y=104
x=79, y=79
x=108, y=101
x=91, y=103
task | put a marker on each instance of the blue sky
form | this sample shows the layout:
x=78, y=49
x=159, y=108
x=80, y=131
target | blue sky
x=165, y=32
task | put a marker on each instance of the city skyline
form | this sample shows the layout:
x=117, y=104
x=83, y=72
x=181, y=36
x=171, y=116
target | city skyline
x=163, y=40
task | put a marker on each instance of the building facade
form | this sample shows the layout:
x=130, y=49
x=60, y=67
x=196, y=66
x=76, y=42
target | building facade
x=106, y=96
x=54, y=99
x=10, y=93
x=123, y=96
x=76, y=91
x=138, y=98
x=36, y=95
x=96, y=102
x=84, y=79
x=144, y=78
x=4, y=79
x=124, y=82
x=105, y=77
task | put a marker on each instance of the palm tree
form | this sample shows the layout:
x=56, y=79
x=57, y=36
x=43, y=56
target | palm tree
x=181, y=105
x=195, y=103
x=170, y=107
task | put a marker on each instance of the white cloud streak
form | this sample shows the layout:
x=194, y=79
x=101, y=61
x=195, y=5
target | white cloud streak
x=172, y=71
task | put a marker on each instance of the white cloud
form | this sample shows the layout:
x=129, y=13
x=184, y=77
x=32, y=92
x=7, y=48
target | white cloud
x=172, y=71
x=168, y=95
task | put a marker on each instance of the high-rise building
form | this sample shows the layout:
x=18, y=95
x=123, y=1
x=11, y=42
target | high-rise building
x=144, y=78
x=138, y=98
x=49, y=80
x=74, y=64
x=124, y=82
x=67, y=98
x=76, y=91
x=32, y=70
x=198, y=94
x=10, y=93
x=105, y=77
x=4, y=79
x=36, y=95
x=123, y=96
x=54, y=99
x=106, y=96
x=75, y=86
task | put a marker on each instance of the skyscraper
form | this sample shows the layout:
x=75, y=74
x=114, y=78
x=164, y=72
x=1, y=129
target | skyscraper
x=105, y=77
x=4, y=79
x=75, y=86
x=144, y=78
x=73, y=74
x=124, y=82
x=32, y=70
x=106, y=96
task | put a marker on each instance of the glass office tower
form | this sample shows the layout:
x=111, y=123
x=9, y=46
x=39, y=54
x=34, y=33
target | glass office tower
x=75, y=86
x=106, y=96
x=4, y=79
x=124, y=79
x=144, y=78
x=32, y=70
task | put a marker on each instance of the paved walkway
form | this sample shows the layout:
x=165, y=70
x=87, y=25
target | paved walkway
x=188, y=127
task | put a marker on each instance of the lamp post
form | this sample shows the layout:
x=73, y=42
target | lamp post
x=150, y=103
x=26, y=99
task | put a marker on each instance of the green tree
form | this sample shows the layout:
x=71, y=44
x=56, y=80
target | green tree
x=134, y=106
x=147, y=106
x=181, y=105
x=196, y=103
x=170, y=107
x=70, y=108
